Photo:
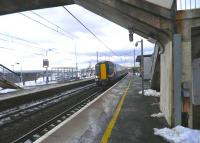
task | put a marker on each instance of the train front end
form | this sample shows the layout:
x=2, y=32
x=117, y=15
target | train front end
x=101, y=74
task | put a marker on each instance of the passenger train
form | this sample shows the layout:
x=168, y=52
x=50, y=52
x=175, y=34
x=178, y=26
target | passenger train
x=107, y=72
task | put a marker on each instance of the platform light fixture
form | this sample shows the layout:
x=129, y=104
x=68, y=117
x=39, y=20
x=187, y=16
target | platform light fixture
x=131, y=37
x=131, y=32
x=142, y=63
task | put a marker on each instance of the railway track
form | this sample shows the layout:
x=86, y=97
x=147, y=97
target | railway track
x=29, y=122
x=37, y=132
x=19, y=112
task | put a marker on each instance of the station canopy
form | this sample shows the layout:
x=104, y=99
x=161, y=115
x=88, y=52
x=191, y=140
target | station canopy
x=163, y=3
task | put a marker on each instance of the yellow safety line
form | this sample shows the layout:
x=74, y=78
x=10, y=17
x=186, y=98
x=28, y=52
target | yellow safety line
x=112, y=122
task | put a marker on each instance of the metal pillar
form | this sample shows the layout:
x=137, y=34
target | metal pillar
x=177, y=104
x=142, y=61
x=134, y=56
x=47, y=77
x=76, y=61
x=142, y=64
x=97, y=57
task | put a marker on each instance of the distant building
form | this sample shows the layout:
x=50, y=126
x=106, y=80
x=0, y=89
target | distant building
x=147, y=65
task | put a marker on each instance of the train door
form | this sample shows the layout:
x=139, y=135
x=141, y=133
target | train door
x=103, y=71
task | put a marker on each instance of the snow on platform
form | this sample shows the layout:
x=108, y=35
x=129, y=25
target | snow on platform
x=150, y=92
x=179, y=134
x=157, y=115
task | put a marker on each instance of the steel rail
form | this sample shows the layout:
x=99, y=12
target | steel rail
x=40, y=104
x=47, y=126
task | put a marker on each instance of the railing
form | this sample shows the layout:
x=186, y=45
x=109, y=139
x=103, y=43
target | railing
x=63, y=73
x=187, y=4
x=8, y=75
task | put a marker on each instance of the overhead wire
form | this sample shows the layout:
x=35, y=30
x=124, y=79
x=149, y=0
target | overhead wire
x=91, y=32
x=18, y=38
x=45, y=25
x=29, y=43
x=6, y=48
x=71, y=36
x=64, y=34
x=64, y=30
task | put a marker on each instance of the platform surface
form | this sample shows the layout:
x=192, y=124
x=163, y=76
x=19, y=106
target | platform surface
x=133, y=125
x=22, y=92
x=88, y=126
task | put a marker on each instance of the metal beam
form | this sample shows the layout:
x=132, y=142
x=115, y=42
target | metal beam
x=13, y=6
x=151, y=8
x=126, y=17
x=177, y=100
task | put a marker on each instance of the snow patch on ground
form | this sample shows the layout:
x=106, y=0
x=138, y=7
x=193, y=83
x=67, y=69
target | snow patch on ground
x=27, y=85
x=157, y=103
x=179, y=134
x=157, y=115
x=7, y=90
x=39, y=81
x=150, y=92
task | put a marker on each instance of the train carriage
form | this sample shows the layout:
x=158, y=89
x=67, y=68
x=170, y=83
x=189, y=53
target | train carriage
x=107, y=72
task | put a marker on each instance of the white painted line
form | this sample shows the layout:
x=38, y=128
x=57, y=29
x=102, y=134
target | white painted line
x=72, y=116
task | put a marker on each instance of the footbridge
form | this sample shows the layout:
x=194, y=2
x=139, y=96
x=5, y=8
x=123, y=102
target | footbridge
x=8, y=78
x=176, y=34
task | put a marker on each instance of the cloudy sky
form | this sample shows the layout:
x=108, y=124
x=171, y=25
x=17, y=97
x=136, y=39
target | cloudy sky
x=25, y=38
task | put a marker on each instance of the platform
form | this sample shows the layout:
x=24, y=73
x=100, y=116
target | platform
x=132, y=124
x=37, y=89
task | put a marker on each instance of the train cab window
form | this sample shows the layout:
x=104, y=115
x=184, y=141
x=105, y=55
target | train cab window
x=111, y=68
x=97, y=69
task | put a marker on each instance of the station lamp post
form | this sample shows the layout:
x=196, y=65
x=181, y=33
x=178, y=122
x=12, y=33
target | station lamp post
x=21, y=76
x=46, y=64
x=142, y=63
x=13, y=68
x=134, y=55
x=76, y=59
x=131, y=32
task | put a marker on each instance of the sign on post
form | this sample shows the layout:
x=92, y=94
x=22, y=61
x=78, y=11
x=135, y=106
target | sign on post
x=45, y=63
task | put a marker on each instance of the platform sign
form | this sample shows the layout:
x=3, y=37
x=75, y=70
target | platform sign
x=45, y=63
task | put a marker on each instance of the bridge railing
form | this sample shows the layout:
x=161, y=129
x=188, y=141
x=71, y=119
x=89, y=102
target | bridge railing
x=187, y=4
x=8, y=75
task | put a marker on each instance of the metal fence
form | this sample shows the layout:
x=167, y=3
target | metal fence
x=63, y=73
x=188, y=4
x=8, y=75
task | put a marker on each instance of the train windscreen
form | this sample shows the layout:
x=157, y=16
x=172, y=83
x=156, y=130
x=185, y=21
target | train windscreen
x=97, y=69
x=110, y=68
